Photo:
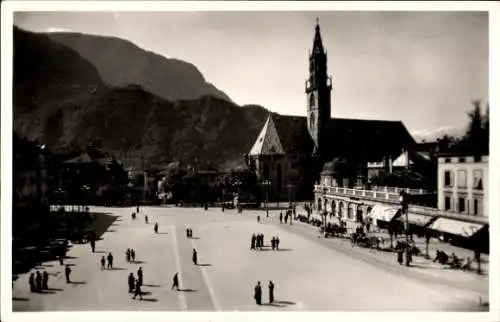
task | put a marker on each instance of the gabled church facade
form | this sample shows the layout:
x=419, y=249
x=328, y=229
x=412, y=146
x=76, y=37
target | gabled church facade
x=292, y=151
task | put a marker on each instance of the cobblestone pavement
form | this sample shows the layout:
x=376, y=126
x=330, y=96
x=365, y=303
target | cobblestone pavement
x=310, y=273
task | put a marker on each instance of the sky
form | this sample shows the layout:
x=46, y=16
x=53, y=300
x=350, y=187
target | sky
x=422, y=68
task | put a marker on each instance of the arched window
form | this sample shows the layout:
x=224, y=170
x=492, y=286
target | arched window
x=279, y=178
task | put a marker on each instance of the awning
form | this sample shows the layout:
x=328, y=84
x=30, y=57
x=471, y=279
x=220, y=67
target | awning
x=383, y=213
x=456, y=227
x=416, y=219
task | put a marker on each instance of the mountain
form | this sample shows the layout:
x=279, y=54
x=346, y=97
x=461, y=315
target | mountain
x=60, y=99
x=121, y=63
x=433, y=135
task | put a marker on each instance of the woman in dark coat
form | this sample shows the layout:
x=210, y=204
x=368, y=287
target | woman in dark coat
x=258, y=294
x=32, y=282
x=45, y=280
x=195, y=257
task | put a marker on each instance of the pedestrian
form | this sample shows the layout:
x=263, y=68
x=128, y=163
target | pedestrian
x=190, y=232
x=137, y=209
x=258, y=219
x=271, y=292
x=61, y=258
x=45, y=280
x=137, y=290
x=273, y=242
x=103, y=262
x=139, y=276
x=400, y=256
x=286, y=218
x=262, y=241
x=195, y=257
x=110, y=261
x=146, y=219
x=132, y=255
x=281, y=217
x=127, y=253
x=67, y=272
x=38, y=280
x=156, y=228
x=32, y=282
x=187, y=232
x=277, y=243
x=258, y=294
x=252, y=245
x=131, y=282
x=92, y=245
x=175, y=281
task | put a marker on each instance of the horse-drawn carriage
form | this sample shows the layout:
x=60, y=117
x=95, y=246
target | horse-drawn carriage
x=334, y=230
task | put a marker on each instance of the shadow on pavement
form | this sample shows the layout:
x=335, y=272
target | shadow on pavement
x=111, y=231
x=204, y=264
x=146, y=293
x=279, y=303
x=162, y=233
x=20, y=299
x=55, y=289
x=78, y=282
x=151, y=285
x=117, y=269
x=70, y=257
x=100, y=252
x=47, y=292
x=150, y=300
x=187, y=290
x=138, y=262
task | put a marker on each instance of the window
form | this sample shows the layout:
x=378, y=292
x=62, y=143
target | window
x=478, y=179
x=477, y=158
x=461, y=205
x=447, y=160
x=448, y=178
x=476, y=207
x=447, y=203
x=461, y=160
x=462, y=179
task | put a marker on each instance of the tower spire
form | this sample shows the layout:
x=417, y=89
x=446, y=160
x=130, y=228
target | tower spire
x=318, y=43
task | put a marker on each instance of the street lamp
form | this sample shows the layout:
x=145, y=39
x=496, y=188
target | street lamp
x=290, y=204
x=266, y=183
x=324, y=213
x=404, y=210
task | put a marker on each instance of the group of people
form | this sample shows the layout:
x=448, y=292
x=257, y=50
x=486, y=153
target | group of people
x=257, y=241
x=285, y=218
x=258, y=293
x=189, y=232
x=130, y=255
x=134, y=285
x=39, y=282
x=110, y=261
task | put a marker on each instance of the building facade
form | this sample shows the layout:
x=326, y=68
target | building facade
x=463, y=184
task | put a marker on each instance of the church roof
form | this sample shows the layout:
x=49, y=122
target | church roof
x=408, y=158
x=345, y=138
x=268, y=142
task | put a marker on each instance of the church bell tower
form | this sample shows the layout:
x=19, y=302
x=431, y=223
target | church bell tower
x=318, y=90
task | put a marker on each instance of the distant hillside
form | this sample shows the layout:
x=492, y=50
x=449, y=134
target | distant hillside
x=60, y=99
x=121, y=63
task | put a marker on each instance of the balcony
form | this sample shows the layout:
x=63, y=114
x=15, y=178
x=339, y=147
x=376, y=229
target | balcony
x=391, y=197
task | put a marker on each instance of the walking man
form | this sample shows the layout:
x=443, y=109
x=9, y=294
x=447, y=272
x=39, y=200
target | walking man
x=139, y=275
x=67, y=272
x=92, y=245
x=38, y=280
x=156, y=228
x=131, y=282
x=195, y=257
x=252, y=245
x=175, y=281
x=281, y=217
x=110, y=261
x=45, y=280
x=271, y=292
x=132, y=254
x=273, y=242
x=61, y=258
x=128, y=255
x=277, y=243
x=258, y=294
x=32, y=282
x=146, y=219
x=137, y=290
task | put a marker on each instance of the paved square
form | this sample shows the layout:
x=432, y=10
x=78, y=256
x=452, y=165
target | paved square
x=309, y=273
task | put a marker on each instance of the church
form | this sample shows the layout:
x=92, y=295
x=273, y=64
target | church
x=291, y=152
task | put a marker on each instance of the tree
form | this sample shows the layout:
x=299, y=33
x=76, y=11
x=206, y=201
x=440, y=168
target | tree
x=476, y=138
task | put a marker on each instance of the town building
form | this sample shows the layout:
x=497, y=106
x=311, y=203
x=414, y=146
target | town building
x=463, y=184
x=291, y=151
